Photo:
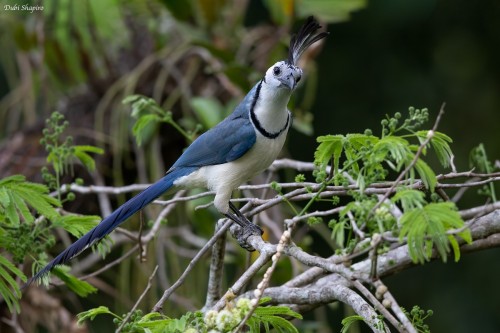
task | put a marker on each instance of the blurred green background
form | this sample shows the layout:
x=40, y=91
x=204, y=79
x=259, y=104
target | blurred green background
x=378, y=60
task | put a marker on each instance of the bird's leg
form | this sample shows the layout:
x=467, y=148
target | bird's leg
x=247, y=227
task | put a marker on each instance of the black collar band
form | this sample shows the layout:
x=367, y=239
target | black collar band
x=256, y=121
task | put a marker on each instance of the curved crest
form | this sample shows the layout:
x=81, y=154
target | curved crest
x=303, y=39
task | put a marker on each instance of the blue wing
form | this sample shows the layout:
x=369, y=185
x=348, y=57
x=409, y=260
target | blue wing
x=226, y=142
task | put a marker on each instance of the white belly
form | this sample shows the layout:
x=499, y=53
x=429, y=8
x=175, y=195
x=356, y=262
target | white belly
x=224, y=178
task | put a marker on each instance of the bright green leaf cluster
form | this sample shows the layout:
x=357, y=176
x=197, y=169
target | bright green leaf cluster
x=21, y=202
x=369, y=159
x=17, y=195
x=426, y=228
x=77, y=225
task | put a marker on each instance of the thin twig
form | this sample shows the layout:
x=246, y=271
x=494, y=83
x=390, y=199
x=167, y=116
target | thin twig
x=119, y=329
x=159, y=305
x=216, y=269
x=111, y=264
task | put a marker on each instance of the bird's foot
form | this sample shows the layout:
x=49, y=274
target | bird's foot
x=246, y=229
x=243, y=233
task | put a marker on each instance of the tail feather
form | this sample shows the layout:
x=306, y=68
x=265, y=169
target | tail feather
x=116, y=218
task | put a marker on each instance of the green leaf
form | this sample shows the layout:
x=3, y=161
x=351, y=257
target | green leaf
x=77, y=225
x=81, y=288
x=409, y=199
x=455, y=247
x=396, y=148
x=329, y=146
x=338, y=233
x=426, y=229
x=9, y=290
x=348, y=321
x=17, y=194
x=144, y=127
x=82, y=154
x=4, y=197
x=271, y=315
x=92, y=313
x=358, y=141
x=209, y=110
x=440, y=143
x=277, y=311
x=426, y=174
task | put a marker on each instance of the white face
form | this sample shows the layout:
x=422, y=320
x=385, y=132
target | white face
x=283, y=75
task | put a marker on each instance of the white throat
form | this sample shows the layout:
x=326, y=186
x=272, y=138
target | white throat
x=271, y=108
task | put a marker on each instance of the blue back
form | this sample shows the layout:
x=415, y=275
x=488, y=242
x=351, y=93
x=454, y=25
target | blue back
x=226, y=142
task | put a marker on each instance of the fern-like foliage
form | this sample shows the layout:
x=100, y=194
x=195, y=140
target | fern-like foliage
x=369, y=159
x=272, y=316
x=425, y=228
x=21, y=202
x=17, y=196
x=9, y=288
x=28, y=213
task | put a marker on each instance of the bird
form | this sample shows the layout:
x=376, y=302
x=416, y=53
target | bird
x=241, y=146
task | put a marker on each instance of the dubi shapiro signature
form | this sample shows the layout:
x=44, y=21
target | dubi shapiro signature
x=24, y=7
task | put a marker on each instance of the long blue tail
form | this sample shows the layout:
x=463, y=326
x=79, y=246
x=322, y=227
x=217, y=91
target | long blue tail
x=110, y=223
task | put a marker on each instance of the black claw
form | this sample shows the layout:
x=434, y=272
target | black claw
x=242, y=235
x=247, y=228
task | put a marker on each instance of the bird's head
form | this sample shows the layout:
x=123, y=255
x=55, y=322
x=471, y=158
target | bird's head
x=283, y=75
x=286, y=74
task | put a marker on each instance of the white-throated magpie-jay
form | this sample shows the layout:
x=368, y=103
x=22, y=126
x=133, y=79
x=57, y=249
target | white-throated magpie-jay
x=241, y=146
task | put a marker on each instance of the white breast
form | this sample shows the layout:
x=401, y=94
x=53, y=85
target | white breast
x=274, y=117
x=224, y=178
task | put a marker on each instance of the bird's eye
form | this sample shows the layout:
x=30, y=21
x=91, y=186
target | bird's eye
x=298, y=79
x=277, y=71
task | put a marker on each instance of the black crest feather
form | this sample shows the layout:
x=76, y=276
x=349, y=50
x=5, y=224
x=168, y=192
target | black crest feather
x=303, y=39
